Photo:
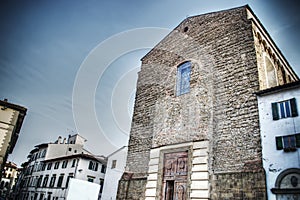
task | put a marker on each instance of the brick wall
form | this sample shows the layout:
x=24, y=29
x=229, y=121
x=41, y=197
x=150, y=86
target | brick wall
x=221, y=106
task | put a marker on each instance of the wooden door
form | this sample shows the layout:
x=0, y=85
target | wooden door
x=175, y=176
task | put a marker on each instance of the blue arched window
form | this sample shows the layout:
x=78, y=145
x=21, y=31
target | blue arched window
x=183, y=78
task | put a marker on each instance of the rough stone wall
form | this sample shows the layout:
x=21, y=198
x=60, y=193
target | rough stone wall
x=221, y=105
x=265, y=49
x=239, y=186
x=131, y=189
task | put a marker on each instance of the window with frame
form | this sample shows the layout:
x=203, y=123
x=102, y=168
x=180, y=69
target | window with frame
x=43, y=153
x=114, y=164
x=288, y=143
x=60, y=180
x=103, y=169
x=39, y=181
x=101, y=185
x=90, y=179
x=284, y=109
x=64, y=164
x=71, y=175
x=43, y=166
x=56, y=165
x=183, y=78
x=45, y=181
x=49, y=166
x=73, y=163
x=93, y=166
x=52, y=181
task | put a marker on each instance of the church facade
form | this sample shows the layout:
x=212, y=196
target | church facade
x=195, y=130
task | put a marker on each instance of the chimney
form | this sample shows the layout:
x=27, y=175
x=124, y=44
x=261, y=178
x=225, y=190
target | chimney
x=59, y=140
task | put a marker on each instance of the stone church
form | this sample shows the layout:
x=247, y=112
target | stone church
x=195, y=130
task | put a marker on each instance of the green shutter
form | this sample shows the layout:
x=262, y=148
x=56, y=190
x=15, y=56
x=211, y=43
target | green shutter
x=275, y=111
x=294, y=107
x=279, y=145
x=297, y=136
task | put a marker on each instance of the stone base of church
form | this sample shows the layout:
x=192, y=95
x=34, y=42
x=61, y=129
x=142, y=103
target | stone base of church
x=132, y=186
x=239, y=185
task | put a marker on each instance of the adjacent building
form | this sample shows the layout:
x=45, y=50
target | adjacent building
x=195, y=130
x=11, y=120
x=9, y=179
x=116, y=162
x=47, y=173
x=280, y=134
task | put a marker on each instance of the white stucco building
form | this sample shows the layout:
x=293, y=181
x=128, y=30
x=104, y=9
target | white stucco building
x=9, y=178
x=279, y=109
x=50, y=167
x=116, y=163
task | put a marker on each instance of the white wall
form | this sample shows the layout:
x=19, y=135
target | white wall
x=59, y=150
x=79, y=189
x=83, y=171
x=113, y=176
x=276, y=161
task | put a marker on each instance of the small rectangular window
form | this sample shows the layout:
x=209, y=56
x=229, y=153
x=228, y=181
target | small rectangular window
x=103, y=168
x=90, y=179
x=52, y=181
x=73, y=163
x=56, y=165
x=49, y=166
x=288, y=142
x=45, y=181
x=71, y=175
x=60, y=180
x=114, y=164
x=284, y=109
x=64, y=164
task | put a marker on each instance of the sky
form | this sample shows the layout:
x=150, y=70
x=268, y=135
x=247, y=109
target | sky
x=74, y=63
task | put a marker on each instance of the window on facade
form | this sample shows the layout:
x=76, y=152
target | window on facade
x=288, y=142
x=64, y=164
x=103, y=168
x=101, y=185
x=43, y=153
x=183, y=78
x=93, y=166
x=45, y=181
x=39, y=181
x=60, y=180
x=68, y=179
x=113, y=164
x=43, y=166
x=52, y=181
x=49, y=166
x=73, y=163
x=284, y=109
x=90, y=179
x=56, y=165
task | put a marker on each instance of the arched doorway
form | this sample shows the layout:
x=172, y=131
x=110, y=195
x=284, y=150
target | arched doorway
x=287, y=185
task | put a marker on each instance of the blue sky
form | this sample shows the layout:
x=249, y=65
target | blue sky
x=44, y=44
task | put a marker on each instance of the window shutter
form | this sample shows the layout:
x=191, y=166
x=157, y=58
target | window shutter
x=294, y=107
x=275, y=111
x=279, y=145
x=297, y=136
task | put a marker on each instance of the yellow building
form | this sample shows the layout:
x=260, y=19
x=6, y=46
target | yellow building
x=11, y=120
